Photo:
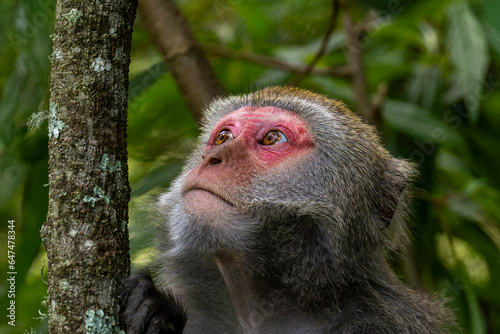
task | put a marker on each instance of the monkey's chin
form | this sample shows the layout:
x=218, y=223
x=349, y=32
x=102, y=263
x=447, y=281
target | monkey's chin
x=205, y=205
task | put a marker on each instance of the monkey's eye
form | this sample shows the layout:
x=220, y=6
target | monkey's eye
x=223, y=136
x=274, y=137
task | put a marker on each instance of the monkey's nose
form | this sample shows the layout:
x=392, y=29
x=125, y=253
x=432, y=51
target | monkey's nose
x=214, y=161
x=211, y=159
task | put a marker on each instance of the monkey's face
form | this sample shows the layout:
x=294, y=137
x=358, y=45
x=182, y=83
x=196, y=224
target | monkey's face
x=283, y=159
x=245, y=144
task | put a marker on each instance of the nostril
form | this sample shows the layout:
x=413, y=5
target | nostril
x=212, y=157
x=214, y=161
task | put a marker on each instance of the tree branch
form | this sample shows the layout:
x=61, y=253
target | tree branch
x=331, y=27
x=216, y=50
x=181, y=53
x=378, y=102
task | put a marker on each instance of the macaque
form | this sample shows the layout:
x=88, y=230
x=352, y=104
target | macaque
x=279, y=224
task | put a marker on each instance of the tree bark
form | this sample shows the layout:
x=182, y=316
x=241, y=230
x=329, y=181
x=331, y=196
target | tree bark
x=181, y=53
x=86, y=234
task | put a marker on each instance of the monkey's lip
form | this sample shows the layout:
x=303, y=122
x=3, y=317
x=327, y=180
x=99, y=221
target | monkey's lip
x=196, y=189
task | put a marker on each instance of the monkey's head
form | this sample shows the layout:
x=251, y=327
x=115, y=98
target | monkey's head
x=286, y=170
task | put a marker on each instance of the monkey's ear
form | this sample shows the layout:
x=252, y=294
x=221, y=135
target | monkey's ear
x=396, y=178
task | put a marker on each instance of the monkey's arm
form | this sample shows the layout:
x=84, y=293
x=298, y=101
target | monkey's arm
x=146, y=310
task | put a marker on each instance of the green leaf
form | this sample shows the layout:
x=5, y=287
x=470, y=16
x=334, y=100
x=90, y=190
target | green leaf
x=161, y=176
x=418, y=123
x=145, y=79
x=490, y=11
x=423, y=85
x=468, y=52
x=477, y=325
x=493, y=37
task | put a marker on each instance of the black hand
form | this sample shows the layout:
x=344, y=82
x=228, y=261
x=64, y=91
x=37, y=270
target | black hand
x=146, y=310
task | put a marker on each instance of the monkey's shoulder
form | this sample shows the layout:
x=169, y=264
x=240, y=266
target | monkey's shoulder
x=391, y=310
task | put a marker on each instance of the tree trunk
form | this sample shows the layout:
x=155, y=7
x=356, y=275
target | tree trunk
x=86, y=234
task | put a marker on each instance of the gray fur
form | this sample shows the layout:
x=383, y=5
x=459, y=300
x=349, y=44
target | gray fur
x=313, y=234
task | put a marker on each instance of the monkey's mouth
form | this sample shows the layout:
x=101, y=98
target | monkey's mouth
x=203, y=193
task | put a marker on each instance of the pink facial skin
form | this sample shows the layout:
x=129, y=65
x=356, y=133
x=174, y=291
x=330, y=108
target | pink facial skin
x=229, y=165
x=251, y=124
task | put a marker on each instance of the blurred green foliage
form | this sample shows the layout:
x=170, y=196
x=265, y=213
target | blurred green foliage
x=439, y=60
